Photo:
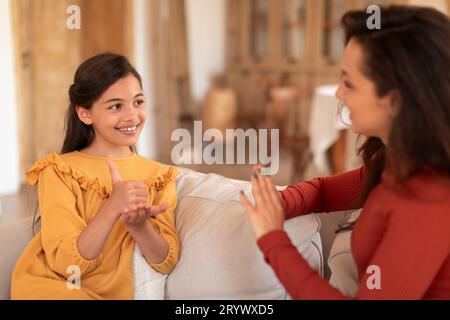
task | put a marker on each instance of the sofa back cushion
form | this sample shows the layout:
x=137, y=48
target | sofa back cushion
x=219, y=256
x=14, y=237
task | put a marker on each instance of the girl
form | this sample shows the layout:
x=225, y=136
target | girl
x=396, y=84
x=98, y=198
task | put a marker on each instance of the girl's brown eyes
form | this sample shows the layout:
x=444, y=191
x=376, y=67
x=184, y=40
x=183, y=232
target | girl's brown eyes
x=115, y=107
x=118, y=106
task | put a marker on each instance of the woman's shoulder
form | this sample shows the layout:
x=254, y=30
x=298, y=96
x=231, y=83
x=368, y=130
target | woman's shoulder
x=425, y=192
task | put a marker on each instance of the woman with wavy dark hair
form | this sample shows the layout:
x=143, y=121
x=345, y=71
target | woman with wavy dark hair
x=396, y=85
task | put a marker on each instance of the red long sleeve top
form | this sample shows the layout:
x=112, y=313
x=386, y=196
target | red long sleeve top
x=403, y=230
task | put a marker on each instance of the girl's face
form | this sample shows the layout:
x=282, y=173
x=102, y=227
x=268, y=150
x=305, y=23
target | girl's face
x=370, y=114
x=118, y=116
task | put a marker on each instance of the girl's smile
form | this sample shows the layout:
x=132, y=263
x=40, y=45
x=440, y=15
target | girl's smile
x=129, y=131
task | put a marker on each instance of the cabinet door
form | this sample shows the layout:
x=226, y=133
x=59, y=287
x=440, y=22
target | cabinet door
x=333, y=34
x=294, y=30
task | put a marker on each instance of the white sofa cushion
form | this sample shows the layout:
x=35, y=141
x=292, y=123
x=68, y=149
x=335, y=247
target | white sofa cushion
x=344, y=272
x=219, y=256
x=149, y=284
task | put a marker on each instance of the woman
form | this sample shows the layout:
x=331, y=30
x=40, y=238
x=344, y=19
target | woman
x=396, y=85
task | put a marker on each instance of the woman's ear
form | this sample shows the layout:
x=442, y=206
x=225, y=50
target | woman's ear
x=84, y=115
x=392, y=103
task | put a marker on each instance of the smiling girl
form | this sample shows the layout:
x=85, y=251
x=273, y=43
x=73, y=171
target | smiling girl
x=99, y=198
x=396, y=84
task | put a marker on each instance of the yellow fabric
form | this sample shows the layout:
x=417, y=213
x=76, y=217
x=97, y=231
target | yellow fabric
x=72, y=188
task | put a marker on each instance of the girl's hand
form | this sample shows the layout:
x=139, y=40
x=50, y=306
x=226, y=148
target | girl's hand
x=267, y=213
x=138, y=217
x=126, y=195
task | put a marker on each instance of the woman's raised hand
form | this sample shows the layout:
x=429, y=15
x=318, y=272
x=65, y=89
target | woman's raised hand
x=267, y=213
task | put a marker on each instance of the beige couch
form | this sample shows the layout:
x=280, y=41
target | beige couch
x=219, y=257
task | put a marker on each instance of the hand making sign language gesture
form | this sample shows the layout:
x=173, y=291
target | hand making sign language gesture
x=267, y=213
x=129, y=198
x=127, y=202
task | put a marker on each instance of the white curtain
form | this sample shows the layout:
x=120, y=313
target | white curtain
x=9, y=161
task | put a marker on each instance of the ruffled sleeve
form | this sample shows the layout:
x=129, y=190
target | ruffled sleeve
x=61, y=223
x=66, y=172
x=164, y=190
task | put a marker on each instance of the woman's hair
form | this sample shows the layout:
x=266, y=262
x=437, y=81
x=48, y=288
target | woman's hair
x=92, y=78
x=410, y=57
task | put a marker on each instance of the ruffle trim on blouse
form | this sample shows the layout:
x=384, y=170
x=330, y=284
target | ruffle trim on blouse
x=160, y=182
x=53, y=159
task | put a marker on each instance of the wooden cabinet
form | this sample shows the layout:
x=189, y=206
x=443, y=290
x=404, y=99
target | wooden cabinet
x=297, y=40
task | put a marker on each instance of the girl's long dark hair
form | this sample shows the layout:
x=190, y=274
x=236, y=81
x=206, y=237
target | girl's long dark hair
x=92, y=78
x=410, y=56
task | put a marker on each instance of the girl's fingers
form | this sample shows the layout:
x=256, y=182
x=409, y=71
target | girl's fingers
x=154, y=210
x=141, y=193
x=125, y=217
x=138, y=185
x=140, y=200
x=142, y=211
x=142, y=215
x=164, y=206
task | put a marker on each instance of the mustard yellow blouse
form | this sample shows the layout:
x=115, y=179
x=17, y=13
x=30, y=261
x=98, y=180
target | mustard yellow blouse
x=71, y=189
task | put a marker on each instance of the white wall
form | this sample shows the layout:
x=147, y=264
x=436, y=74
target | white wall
x=206, y=50
x=9, y=161
x=143, y=58
x=206, y=42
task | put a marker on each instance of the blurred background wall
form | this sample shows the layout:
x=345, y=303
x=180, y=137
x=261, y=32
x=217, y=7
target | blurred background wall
x=244, y=56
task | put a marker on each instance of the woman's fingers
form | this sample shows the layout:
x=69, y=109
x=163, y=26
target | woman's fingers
x=246, y=203
x=259, y=200
x=273, y=193
x=265, y=190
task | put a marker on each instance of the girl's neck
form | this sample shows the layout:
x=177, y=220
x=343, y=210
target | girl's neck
x=107, y=151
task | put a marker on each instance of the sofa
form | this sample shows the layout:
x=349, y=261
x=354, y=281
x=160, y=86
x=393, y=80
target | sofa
x=219, y=258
